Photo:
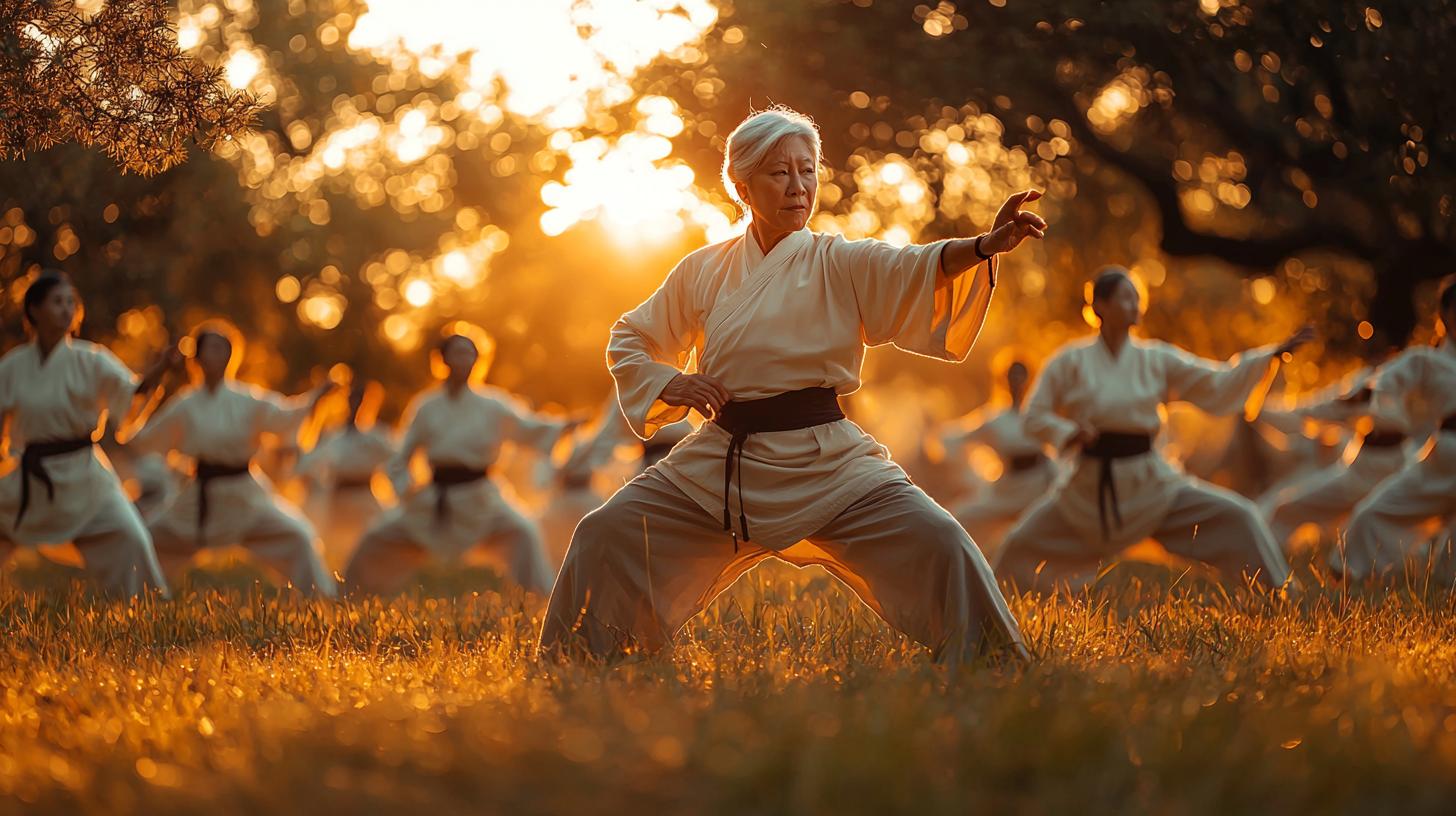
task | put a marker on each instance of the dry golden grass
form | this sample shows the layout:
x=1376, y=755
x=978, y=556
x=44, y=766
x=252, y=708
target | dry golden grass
x=785, y=697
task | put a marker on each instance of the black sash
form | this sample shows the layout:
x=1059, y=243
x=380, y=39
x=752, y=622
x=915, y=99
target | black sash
x=207, y=471
x=1383, y=439
x=32, y=464
x=354, y=482
x=447, y=476
x=790, y=411
x=1109, y=446
x=1025, y=462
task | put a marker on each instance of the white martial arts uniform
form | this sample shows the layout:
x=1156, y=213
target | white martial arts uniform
x=764, y=325
x=225, y=426
x=465, y=430
x=339, y=470
x=1385, y=528
x=65, y=396
x=1327, y=496
x=1064, y=539
x=578, y=489
x=1027, y=474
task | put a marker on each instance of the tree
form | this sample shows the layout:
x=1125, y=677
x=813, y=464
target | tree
x=1259, y=130
x=114, y=80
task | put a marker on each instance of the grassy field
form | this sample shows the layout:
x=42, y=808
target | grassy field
x=785, y=697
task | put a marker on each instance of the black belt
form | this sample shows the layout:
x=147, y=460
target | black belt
x=1449, y=423
x=446, y=476
x=354, y=482
x=1025, y=462
x=1383, y=439
x=790, y=411
x=1110, y=446
x=32, y=463
x=207, y=471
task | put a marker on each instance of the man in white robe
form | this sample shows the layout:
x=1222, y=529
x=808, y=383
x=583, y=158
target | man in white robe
x=57, y=395
x=1027, y=473
x=219, y=424
x=1394, y=521
x=585, y=477
x=1326, y=497
x=459, y=427
x=1103, y=393
x=779, y=319
x=340, y=472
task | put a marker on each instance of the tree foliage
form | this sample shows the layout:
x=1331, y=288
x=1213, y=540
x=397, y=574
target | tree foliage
x=114, y=80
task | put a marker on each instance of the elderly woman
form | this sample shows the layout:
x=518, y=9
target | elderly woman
x=1386, y=528
x=1103, y=396
x=460, y=427
x=55, y=391
x=219, y=424
x=778, y=319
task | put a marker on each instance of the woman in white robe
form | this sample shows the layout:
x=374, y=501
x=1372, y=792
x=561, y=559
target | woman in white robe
x=340, y=471
x=459, y=427
x=1326, y=497
x=219, y=424
x=58, y=394
x=1103, y=395
x=1393, y=523
x=778, y=319
x=1027, y=473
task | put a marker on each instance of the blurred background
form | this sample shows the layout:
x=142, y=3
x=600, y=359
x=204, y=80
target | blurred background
x=533, y=169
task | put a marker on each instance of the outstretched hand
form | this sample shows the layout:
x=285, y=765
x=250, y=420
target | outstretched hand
x=1014, y=225
x=702, y=393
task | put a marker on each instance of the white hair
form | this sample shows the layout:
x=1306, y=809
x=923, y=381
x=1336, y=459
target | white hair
x=751, y=141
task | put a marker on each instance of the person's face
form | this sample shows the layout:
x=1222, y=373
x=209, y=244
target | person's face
x=782, y=192
x=212, y=356
x=1016, y=378
x=55, y=314
x=1121, y=308
x=459, y=356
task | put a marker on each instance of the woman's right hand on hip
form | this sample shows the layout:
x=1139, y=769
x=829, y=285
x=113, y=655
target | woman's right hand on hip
x=702, y=393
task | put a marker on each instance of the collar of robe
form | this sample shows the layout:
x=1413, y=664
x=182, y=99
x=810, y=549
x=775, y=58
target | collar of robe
x=759, y=269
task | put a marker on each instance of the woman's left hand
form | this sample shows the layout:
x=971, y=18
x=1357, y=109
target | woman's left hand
x=1014, y=225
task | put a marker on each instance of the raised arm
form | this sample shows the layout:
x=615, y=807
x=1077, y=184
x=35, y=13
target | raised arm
x=1043, y=414
x=648, y=349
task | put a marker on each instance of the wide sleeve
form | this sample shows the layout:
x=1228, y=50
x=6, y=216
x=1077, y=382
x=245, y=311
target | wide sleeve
x=649, y=346
x=592, y=451
x=280, y=415
x=163, y=431
x=971, y=429
x=115, y=385
x=413, y=438
x=906, y=299
x=1216, y=388
x=525, y=427
x=1342, y=403
x=1044, y=415
x=1394, y=386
